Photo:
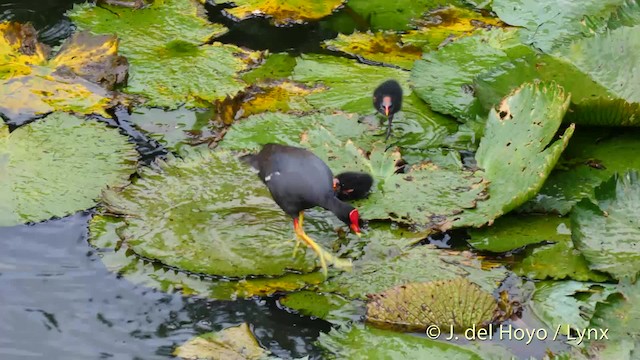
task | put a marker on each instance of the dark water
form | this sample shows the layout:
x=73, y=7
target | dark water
x=57, y=299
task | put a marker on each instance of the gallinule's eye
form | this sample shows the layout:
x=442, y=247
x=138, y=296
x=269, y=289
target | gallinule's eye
x=387, y=100
x=299, y=180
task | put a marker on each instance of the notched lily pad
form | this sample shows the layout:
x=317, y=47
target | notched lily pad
x=169, y=44
x=284, y=12
x=77, y=79
x=59, y=165
x=607, y=232
x=380, y=47
x=449, y=304
x=233, y=343
x=518, y=150
x=210, y=214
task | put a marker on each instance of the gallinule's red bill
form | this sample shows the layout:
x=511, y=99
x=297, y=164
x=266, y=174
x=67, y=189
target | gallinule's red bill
x=299, y=180
x=387, y=99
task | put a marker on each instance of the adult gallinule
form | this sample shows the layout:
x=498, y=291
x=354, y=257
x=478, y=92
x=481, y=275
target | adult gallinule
x=299, y=180
x=387, y=99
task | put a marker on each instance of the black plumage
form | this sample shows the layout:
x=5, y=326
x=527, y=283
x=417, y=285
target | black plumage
x=352, y=185
x=387, y=100
x=299, y=180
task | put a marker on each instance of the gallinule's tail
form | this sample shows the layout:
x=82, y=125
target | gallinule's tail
x=387, y=100
x=299, y=180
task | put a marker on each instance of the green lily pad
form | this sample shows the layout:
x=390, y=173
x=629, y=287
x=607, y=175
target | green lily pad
x=119, y=258
x=593, y=155
x=174, y=129
x=78, y=78
x=37, y=159
x=286, y=12
x=511, y=232
x=254, y=131
x=542, y=263
x=382, y=47
x=360, y=342
x=607, y=232
x=426, y=195
x=233, y=343
x=455, y=304
x=620, y=314
x=210, y=214
x=330, y=307
x=440, y=26
x=350, y=88
x=444, y=78
x=600, y=93
x=275, y=66
x=593, y=56
x=568, y=305
x=387, y=261
x=518, y=150
x=547, y=25
x=168, y=47
x=384, y=15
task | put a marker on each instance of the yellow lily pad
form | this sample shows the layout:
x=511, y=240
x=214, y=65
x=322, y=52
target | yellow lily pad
x=285, y=12
x=77, y=79
x=383, y=47
x=441, y=26
x=229, y=344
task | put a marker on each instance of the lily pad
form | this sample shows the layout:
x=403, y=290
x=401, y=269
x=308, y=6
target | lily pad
x=119, y=258
x=210, y=214
x=330, y=307
x=387, y=262
x=511, y=232
x=443, y=25
x=444, y=79
x=387, y=15
x=449, y=304
x=274, y=67
x=620, y=314
x=425, y=195
x=607, y=232
x=168, y=45
x=381, y=47
x=518, y=150
x=286, y=12
x=548, y=25
x=77, y=79
x=593, y=155
x=568, y=305
x=36, y=161
x=254, y=131
x=601, y=94
x=592, y=56
x=350, y=88
x=557, y=261
x=360, y=342
x=233, y=343
x=174, y=129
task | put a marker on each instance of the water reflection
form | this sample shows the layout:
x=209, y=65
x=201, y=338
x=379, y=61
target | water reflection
x=59, y=302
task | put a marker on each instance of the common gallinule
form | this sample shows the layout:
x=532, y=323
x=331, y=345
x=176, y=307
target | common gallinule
x=387, y=99
x=352, y=185
x=299, y=180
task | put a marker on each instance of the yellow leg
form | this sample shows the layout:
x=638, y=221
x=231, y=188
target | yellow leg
x=300, y=221
x=323, y=254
